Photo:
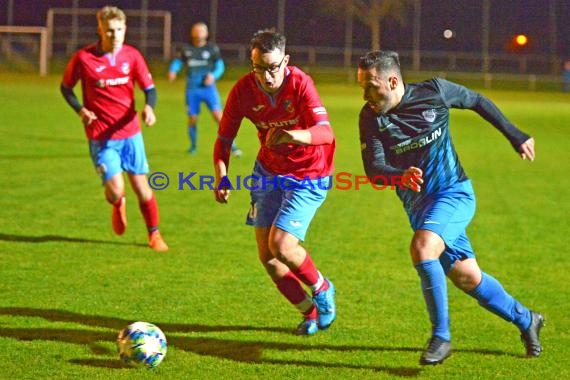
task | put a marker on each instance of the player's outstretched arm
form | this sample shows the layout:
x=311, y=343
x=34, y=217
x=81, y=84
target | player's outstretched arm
x=526, y=150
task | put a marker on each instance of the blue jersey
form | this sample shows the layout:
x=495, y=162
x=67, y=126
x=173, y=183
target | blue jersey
x=199, y=61
x=416, y=133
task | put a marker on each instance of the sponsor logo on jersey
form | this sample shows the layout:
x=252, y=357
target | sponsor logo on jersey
x=277, y=124
x=197, y=62
x=429, y=115
x=101, y=83
x=412, y=144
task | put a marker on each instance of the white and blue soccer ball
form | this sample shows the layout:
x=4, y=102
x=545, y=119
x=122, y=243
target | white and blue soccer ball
x=142, y=343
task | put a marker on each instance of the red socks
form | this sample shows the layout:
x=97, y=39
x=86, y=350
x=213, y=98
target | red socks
x=310, y=276
x=149, y=210
x=291, y=289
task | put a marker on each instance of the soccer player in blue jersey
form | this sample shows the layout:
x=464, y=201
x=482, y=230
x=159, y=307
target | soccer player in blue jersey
x=204, y=66
x=405, y=139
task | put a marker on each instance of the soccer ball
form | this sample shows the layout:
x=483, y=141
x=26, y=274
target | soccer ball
x=142, y=343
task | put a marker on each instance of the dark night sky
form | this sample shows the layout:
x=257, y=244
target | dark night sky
x=306, y=25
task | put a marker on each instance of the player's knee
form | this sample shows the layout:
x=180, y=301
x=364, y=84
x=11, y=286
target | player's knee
x=422, y=250
x=465, y=283
x=283, y=250
x=272, y=266
x=465, y=275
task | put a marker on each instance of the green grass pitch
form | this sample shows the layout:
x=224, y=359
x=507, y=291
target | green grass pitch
x=68, y=284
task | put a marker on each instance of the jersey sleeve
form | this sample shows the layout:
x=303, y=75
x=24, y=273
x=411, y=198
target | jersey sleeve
x=175, y=66
x=72, y=72
x=372, y=150
x=216, y=53
x=232, y=115
x=218, y=69
x=315, y=115
x=312, y=109
x=229, y=126
x=142, y=74
x=457, y=96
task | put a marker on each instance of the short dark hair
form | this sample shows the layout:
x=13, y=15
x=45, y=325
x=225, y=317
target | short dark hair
x=382, y=60
x=268, y=40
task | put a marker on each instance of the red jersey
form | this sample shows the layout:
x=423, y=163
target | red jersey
x=107, y=82
x=295, y=106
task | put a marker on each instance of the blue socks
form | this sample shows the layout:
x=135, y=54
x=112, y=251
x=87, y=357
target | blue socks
x=492, y=296
x=434, y=287
x=193, y=134
x=489, y=293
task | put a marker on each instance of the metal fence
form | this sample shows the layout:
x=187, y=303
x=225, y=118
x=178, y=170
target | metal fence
x=525, y=71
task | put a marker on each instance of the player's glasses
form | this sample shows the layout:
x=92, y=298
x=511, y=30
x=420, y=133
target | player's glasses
x=273, y=69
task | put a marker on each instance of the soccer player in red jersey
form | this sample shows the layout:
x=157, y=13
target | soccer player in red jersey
x=291, y=175
x=108, y=71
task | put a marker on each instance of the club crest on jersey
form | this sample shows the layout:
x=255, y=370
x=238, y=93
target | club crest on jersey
x=205, y=54
x=125, y=68
x=429, y=115
x=288, y=106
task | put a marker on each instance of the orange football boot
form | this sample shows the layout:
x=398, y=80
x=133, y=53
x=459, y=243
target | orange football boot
x=156, y=242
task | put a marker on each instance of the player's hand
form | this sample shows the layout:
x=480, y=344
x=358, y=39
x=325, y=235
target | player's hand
x=221, y=193
x=87, y=116
x=277, y=136
x=526, y=150
x=209, y=79
x=148, y=115
x=412, y=179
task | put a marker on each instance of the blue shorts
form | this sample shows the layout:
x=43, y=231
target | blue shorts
x=115, y=156
x=448, y=214
x=288, y=203
x=208, y=95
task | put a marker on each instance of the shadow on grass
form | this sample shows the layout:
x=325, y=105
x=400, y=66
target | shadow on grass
x=48, y=238
x=235, y=350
